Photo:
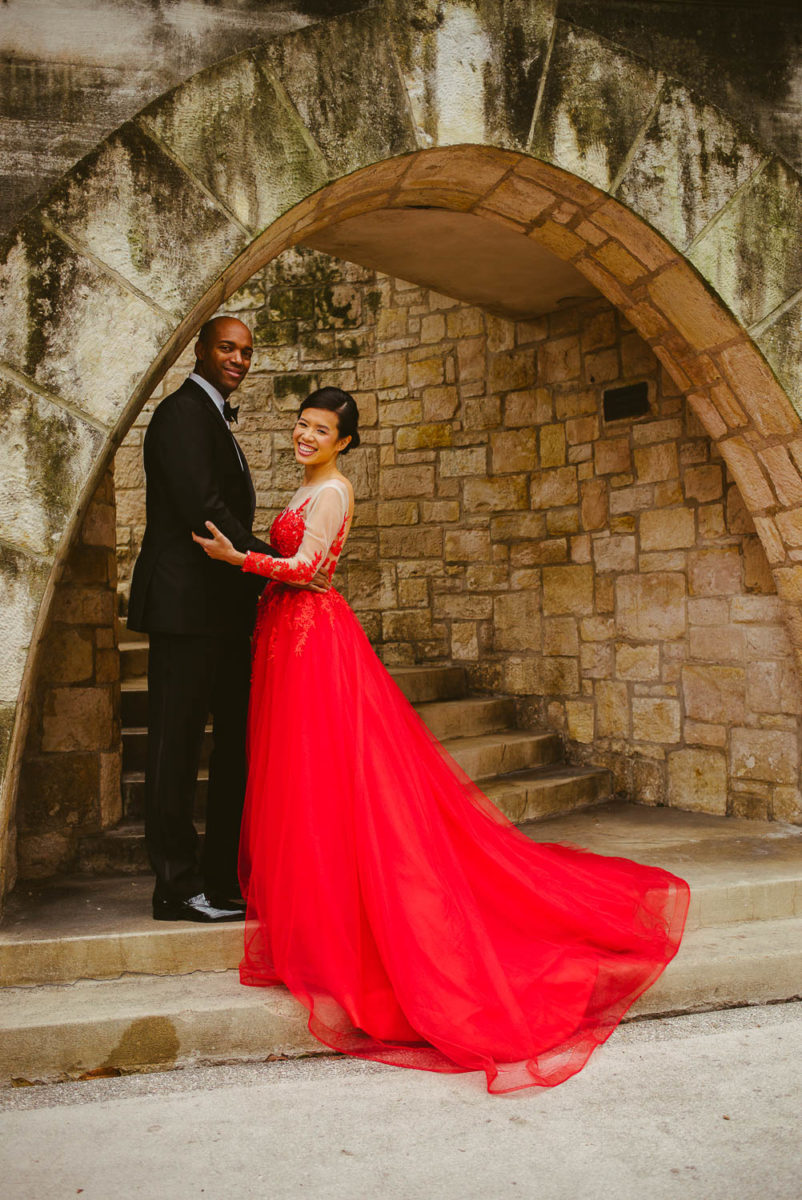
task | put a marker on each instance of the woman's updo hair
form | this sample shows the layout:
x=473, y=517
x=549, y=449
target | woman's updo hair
x=343, y=405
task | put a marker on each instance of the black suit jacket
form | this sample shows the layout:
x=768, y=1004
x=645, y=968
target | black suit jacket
x=193, y=475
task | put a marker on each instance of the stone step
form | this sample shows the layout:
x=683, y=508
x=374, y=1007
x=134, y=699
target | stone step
x=82, y=927
x=489, y=755
x=547, y=792
x=159, y=1022
x=464, y=717
x=419, y=684
x=133, y=795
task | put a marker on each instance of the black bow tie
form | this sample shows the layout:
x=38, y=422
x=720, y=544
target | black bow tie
x=230, y=413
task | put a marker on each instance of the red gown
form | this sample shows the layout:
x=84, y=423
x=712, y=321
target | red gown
x=416, y=924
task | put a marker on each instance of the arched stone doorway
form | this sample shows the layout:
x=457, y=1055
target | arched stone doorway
x=104, y=284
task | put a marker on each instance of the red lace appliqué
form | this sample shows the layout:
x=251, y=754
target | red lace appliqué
x=287, y=531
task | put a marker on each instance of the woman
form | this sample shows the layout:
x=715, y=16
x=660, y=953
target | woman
x=415, y=922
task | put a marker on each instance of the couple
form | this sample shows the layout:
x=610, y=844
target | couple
x=414, y=922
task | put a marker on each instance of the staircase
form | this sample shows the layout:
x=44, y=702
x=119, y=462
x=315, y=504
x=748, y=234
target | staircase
x=91, y=985
x=521, y=771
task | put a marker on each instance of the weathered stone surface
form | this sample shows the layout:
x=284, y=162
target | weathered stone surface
x=22, y=585
x=72, y=328
x=581, y=720
x=226, y=124
x=567, y=589
x=612, y=709
x=637, y=662
x=691, y=160
x=552, y=489
x=516, y=621
x=651, y=607
x=667, y=529
x=697, y=780
x=748, y=252
x=46, y=455
x=495, y=495
x=714, y=693
x=614, y=553
x=369, y=121
x=655, y=720
x=586, y=125
x=765, y=754
x=714, y=572
x=472, y=70
x=153, y=202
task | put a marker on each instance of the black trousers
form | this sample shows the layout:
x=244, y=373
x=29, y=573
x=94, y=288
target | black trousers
x=190, y=677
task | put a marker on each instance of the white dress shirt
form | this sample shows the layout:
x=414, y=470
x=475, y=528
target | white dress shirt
x=212, y=392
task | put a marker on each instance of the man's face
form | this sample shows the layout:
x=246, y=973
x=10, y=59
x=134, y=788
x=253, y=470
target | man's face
x=225, y=356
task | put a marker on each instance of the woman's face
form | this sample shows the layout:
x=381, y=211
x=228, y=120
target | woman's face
x=316, y=437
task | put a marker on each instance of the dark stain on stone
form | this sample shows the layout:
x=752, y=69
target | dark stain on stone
x=148, y=1041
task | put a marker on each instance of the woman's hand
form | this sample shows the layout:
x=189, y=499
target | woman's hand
x=218, y=546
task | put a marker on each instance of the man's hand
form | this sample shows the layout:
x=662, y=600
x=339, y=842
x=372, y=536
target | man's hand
x=320, y=583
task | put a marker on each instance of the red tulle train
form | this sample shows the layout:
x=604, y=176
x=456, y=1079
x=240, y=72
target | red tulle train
x=416, y=924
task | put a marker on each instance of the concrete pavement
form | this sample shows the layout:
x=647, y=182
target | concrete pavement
x=701, y=1107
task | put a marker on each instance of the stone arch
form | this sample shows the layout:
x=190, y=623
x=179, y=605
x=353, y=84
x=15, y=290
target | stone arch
x=473, y=106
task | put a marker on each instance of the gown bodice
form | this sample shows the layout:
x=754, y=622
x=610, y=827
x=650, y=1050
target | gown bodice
x=309, y=534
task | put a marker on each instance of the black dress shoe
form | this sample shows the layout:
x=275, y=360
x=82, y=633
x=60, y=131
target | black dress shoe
x=196, y=908
x=227, y=900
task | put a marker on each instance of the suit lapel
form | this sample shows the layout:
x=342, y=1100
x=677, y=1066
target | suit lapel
x=234, y=447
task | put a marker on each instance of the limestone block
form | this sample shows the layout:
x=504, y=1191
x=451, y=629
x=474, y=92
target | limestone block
x=58, y=790
x=371, y=586
x=511, y=371
x=612, y=709
x=462, y=607
x=560, y=636
x=568, y=589
x=767, y=754
x=656, y=462
x=763, y=686
x=423, y=437
x=427, y=372
x=521, y=676
x=651, y=607
x=781, y=343
x=154, y=205
x=748, y=254
x=554, y=489
x=556, y=677
x=408, y=625
x=697, y=780
x=467, y=545
x=690, y=162
x=46, y=456
x=580, y=718
x=77, y=718
x=464, y=641
x=455, y=464
x=495, y=495
x=472, y=70
x=72, y=328
x=22, y=584
x=528, y=407
x=655, y=719
x=517, y=527
x=410, y=542
x=713, y=693
x=703, y=483
x=717, y=643
x=714, y=572
x=512, y=451
x=551, y=444
x=516, y=621
x=370, y=121
x=583, y=125
x=615, y=553
x=596, y=660
x=439, y=403
x=667, y=529
x=412, y=481
x=637, y=662
x=612, y=456
x=558, y=360
x=594, y=504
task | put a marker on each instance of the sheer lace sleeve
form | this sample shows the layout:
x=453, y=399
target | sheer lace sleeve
x=323, y=521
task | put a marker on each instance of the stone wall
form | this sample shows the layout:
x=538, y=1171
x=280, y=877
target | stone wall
x=70, y=779
x=606, y=574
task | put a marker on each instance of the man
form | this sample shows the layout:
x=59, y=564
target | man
x=199, y=615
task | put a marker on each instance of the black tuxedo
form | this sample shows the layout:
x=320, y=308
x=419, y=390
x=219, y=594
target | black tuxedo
x=199, y=615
